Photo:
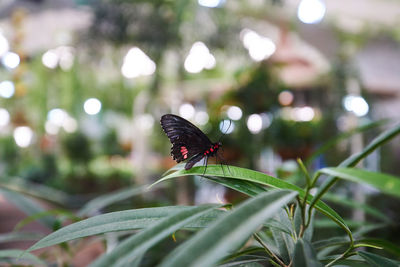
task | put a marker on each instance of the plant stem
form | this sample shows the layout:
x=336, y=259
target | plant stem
x=269, y=252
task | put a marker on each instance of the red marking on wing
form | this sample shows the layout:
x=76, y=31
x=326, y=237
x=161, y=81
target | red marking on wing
x=184, y=152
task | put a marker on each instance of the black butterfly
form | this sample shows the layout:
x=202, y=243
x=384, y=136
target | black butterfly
x=188, y=141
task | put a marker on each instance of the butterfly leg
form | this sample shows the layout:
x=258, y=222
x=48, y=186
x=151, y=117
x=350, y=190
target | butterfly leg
x=206, y=165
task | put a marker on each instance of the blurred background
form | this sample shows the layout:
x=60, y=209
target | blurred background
x=84, y=83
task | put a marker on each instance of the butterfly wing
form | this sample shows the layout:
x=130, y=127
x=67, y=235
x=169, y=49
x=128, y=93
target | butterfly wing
x=187, y=140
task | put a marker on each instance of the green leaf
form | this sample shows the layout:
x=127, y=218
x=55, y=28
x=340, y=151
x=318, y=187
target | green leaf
x=37, y=191
x=102, y=201
x=228, y=232
x=19, y=236
x=284, y=241
x=356, y=158
x=386, y=245
x=242, y=174
x=376, y=260
x=245, y=187
x=136, y=245
x=243, y=263
x=19, y=256
x=118, y=221
x=384, y=182
x=342, y=200
x=27, y=205
x=304, y=255
x=333, y=141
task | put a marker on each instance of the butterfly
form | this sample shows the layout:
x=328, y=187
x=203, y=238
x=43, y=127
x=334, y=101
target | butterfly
x=188, y=141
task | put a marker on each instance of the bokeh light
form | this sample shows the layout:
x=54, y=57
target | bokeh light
x=201, y=117
x=234, y=113
x=4, y=46
x=7, y=89
x=137, y=63
x=10, y=60
x=4, y=117
x=356, y=104
x=226, y=126
x=311, y=11
x=92, y=106
x=285, y=98
x=186, y=110
x=199, y=58
x=259, y=47
x=254, y=123
x=23, y=136
x=211, y=3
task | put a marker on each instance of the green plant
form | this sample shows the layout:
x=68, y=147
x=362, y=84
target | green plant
x=278, y=224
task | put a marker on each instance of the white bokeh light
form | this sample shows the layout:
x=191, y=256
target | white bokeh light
x=266, y=119
x=254, y=123
x=4, y=46
x=226, y=126
x=356, y=104
x=4, y=117
x=211, y=3
x=51, y=128
x=137, y=63
x=303, y=113
x=10, y=60
x=92, y=106
x=57, y=116
x=259, y=47
x=201, y=117
x=234, y=113
x=311, y=11
x=23, y=136
x=199, y=58
x=70, y=125
x=7, y=89
x=187, y=111
x=50, y=59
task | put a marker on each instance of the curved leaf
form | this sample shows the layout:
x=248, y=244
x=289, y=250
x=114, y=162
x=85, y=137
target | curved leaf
x=28, y=206
x=21, y=256
x=258, y=178
x=105, y=200
x=304, y=255
x=118, y=221
x=356, y=158
x=386, y=245
x=133, y=247
x=228, y=232
x=377, y=260
x=342, y=200
x=384, y=182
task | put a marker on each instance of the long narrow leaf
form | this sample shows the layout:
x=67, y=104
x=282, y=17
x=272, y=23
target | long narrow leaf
x=356, y=158
x=98, y=203
x=138, y=244
x=377, y=260
x=212, y=244
x=331, y=142
x=20, y=256
x=384, y=182
x=258, y=178
x=342, y=200
x=304, y=255
x=118, y=221
x=384, y=244
x=27, y=205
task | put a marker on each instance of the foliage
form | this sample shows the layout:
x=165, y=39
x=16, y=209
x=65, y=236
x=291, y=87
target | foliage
x=278, y=224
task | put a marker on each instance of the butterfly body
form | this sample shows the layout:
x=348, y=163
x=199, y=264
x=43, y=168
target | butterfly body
x=188, y=141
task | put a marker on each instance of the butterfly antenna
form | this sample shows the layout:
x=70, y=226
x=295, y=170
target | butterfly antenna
x=227, y=130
